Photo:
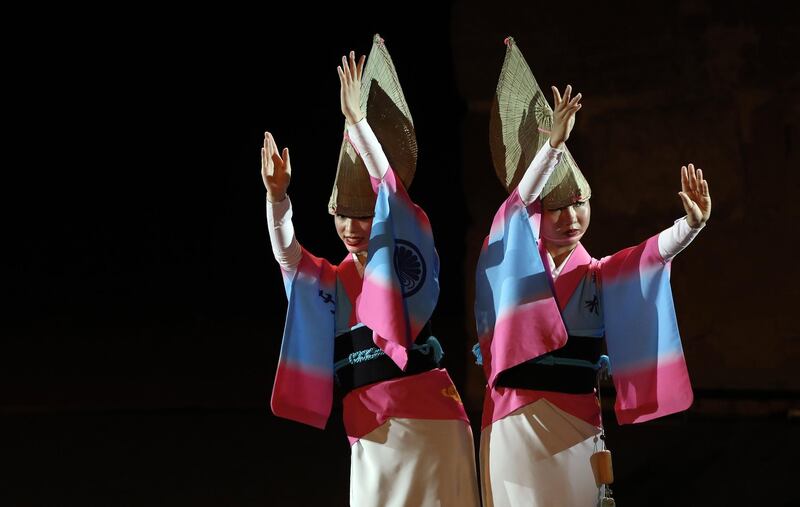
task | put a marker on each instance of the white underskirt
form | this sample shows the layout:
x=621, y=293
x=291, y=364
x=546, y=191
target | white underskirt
x=538, y=456
x=414, y=463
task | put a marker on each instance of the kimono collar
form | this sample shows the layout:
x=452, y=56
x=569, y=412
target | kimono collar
x=571, y=274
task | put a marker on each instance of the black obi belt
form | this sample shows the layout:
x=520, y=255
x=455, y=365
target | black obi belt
x=358, y=362
x=571, y=369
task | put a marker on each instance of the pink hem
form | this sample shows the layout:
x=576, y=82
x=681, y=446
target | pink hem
x=502, y=401
x=428, y=395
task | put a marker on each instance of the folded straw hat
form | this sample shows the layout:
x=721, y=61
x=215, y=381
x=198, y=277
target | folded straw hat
x=387, y=113
x=519, y=125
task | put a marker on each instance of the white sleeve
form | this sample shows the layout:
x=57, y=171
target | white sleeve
x=366, y=144
x=671, y=241
x=285, y=247
x=542, y=165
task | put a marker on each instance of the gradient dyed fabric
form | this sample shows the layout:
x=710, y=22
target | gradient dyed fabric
x=397, y=297
x=401, y=278
x=649, y=369
x=303, y=389
x=516, y=315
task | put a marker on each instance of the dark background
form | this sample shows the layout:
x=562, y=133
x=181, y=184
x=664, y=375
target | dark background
x=144, y=311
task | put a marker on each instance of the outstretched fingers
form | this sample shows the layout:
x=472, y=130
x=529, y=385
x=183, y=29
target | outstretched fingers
x=269, y=149
x=702, y=184
x=556, y=97
x=693, y=186
x=684, y=179
x=341, y=75
x=353, y=66
x=267, y=156
x=361, y=66
x=695, y=195
x=274, y=153
x=287, y=167
x=264, y=153
x=567, y=101
x=351, y=70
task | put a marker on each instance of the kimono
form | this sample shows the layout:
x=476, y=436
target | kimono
x=536, y=443
x=411, y=443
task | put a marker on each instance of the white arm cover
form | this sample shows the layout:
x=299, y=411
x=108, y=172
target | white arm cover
x=366, y=144
x=281, y=234
x=538, y=172
x=671, y=241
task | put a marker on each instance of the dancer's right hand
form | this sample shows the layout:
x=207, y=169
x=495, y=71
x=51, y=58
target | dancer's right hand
x=276, y=170
x=350, y=79
x=564, y=109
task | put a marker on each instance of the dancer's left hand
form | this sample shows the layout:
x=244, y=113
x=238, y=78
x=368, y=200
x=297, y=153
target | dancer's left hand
x=695, y=196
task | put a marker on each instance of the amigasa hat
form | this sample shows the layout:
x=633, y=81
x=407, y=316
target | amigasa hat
x=387, y=112
x=519, y=125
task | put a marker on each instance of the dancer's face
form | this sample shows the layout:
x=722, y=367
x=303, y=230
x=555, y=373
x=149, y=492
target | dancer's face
x=566, y=226
x=354, y=232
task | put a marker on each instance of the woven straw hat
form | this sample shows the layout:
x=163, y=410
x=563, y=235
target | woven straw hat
x=519, y=125
x=387, y=113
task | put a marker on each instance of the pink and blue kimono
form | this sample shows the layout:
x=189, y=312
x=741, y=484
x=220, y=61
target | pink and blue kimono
x=522, y=315
x=395, y=300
